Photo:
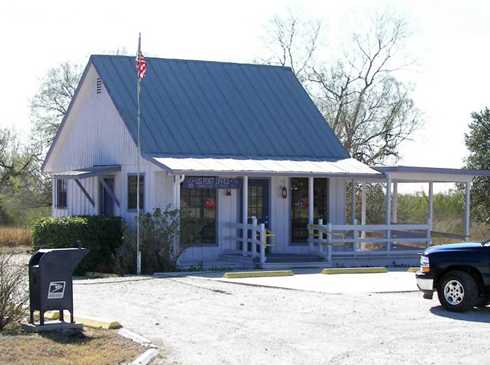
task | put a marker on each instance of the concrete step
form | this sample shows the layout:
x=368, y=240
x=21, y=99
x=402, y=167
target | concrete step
x=282, y=257
x=236, y=258
x=217, y=265
x=295, y=265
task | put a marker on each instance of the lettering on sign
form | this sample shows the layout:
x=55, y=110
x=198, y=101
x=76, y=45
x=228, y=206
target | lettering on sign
x=56, y=289
x=211, y=182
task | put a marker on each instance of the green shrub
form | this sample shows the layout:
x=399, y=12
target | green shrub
x=101, y=235
x=158, y=231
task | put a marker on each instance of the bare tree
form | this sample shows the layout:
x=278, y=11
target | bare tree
x=293, y=43
x=359, y=94
x=15, y=160
x=51, y=102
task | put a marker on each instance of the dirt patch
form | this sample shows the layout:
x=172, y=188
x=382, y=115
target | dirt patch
x=91, y=347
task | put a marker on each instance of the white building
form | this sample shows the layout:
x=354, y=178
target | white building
x=242, y=149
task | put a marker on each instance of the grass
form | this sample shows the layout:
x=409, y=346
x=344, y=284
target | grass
x=15, y=237
x=91, y=347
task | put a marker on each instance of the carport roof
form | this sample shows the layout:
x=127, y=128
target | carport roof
x=427, y=174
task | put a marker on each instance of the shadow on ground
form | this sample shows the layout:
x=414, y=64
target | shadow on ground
x=475, y=315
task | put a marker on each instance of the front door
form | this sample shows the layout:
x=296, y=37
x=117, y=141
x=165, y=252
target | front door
x=258, y=202
x=106, y=203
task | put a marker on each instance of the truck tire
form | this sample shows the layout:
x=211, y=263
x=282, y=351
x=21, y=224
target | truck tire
x=457, y=291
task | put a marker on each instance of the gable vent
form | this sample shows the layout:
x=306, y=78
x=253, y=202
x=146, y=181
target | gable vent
x=99, y=85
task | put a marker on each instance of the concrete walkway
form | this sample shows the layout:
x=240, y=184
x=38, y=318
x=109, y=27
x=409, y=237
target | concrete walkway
x=391, y=282
x=199, y=319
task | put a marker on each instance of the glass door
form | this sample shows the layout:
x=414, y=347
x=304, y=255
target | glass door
x=299, y=206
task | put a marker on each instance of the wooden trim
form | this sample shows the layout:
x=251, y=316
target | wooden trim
x=109, y=191
x=87, y=195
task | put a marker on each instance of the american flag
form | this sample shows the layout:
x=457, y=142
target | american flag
x=141, y=65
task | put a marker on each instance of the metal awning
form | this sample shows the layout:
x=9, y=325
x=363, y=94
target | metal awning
x=348, y=167
x=430, y=174
x=97, y=170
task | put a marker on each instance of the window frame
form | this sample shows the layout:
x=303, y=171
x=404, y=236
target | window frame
x=188, y=192
x=61, y=202
x=142, y=192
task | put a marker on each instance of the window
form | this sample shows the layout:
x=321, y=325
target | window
x=132, y=191
x=299, y=209
x=61, y=194
x=198, y=207
x=299, y=206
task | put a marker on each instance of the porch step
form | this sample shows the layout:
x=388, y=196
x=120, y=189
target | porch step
x=237, y=260
x=295, y=265
x=293, y=258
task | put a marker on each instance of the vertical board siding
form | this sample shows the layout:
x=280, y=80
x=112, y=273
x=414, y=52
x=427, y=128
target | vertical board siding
x=280, y=208
x=162, y=190
x=227, y=213
x=94, y=134
x=337, y=200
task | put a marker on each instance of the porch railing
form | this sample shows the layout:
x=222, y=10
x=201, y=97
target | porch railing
x=253, y=237
x=366, y=239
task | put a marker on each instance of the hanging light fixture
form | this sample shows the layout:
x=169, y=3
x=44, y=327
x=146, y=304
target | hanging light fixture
x=284, y=192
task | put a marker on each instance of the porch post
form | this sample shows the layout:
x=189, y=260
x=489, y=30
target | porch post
x=394, y=217
x=388, y=212
x=177, y=181
x=310, y=209
x=245, y=215
x=467, y=203
x=363, y=208
x=430, y=214
x=353, y=202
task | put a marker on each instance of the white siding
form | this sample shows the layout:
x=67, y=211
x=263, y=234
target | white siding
x=95, y=134
x=280, y=216
x=163, y=186
x=337, y=200
x=78, y=204
x=227, y=213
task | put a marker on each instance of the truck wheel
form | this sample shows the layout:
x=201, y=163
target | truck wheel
x=457, y=291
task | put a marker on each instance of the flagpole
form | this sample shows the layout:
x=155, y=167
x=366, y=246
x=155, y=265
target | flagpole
x=138, y=152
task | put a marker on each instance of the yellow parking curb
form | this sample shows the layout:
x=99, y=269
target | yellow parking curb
x=257, y=274
x=87, y=322
x=98, y=324
x=354, y=270
x=413, y=269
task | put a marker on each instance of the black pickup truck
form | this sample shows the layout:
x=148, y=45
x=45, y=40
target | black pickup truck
x=460, y=273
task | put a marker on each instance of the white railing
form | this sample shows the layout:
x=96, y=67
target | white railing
x=328, y=236
x=256, y=235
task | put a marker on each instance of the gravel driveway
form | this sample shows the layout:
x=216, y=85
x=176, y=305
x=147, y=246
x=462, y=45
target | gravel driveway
x=203, y=321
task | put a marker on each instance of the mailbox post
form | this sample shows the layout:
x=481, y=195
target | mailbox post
x=51, y=282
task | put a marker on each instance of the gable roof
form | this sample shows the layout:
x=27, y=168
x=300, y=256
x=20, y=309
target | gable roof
x=217, y=109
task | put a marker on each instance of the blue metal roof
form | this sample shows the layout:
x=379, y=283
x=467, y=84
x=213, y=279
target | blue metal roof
x=217, y=109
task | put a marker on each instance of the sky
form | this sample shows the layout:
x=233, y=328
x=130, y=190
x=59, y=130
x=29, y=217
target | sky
x=448, y=40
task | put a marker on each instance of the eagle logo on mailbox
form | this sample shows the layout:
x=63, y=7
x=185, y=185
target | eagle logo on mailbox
x=56, y=289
